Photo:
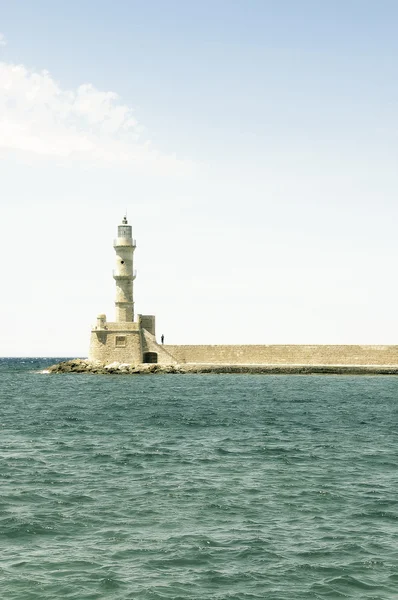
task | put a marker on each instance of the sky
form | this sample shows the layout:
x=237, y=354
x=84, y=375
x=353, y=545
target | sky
x=253, y=144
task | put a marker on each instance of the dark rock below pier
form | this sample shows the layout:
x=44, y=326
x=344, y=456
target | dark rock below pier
x=85, y=366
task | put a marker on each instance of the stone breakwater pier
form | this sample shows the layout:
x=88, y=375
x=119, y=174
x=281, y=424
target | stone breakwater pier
x=88, y=367
x=128, y=344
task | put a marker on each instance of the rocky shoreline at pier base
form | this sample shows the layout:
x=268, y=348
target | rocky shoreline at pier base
x=91, y=367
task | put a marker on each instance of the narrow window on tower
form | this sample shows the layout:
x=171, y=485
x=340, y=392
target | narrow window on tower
x=120, y=341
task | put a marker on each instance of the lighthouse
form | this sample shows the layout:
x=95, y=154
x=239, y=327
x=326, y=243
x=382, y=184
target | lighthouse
x=123, y=273
x=124, y=340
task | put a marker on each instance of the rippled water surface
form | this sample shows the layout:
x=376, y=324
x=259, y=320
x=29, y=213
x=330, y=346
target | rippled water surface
x=197, y=486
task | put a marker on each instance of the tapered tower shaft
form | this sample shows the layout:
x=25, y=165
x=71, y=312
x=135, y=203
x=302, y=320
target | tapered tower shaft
x=123, y=274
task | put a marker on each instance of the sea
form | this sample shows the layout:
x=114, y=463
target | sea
x=200, y=486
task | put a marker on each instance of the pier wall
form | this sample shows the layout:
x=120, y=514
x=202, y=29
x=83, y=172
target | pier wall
x=284, y=354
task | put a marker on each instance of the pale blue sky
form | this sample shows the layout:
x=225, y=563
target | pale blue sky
x=253, y=143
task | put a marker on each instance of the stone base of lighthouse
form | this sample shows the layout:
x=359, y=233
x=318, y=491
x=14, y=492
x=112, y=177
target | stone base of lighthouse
x=133, y=343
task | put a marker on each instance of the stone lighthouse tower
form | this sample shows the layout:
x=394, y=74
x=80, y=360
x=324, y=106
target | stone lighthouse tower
x=124, y=340
x=124, y=274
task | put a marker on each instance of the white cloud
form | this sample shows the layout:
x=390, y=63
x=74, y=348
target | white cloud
x=3, y=41
x=38, y=117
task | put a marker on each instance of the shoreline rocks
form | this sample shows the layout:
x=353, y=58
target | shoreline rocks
x=91, y=367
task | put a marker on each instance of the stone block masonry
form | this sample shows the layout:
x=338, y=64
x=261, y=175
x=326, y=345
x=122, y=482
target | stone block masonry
x=122, y=345
x=284, y=354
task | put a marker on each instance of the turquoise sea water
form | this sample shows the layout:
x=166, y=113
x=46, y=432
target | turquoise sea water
x=197, y=486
